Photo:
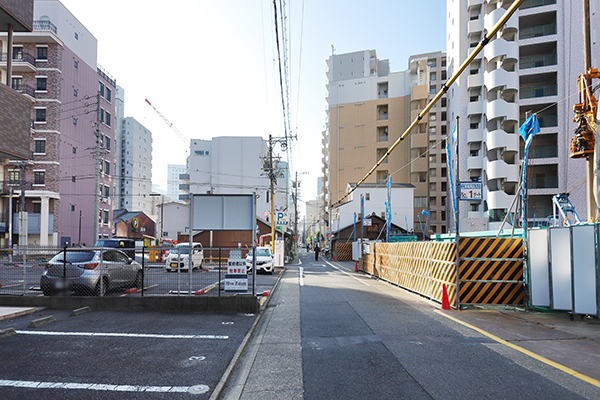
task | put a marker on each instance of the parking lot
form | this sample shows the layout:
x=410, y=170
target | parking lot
x=115, y=355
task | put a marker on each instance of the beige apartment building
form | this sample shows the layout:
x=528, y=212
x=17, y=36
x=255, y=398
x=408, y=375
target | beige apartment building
x=369, y=108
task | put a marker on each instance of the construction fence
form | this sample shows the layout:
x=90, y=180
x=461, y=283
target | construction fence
x=96, y=271
x=486, y=271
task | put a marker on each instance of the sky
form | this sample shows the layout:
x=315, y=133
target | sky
x=210, y=67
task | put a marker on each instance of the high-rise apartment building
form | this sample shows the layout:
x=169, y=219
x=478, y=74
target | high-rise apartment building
x=174, y=181
x=69, y=173
x=531, y=66
x=369, y=108
x=136, y=172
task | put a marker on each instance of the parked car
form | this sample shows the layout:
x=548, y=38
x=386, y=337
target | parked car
x=90, y=272
x=264, y=260
x=179, y=256
x=124, y=244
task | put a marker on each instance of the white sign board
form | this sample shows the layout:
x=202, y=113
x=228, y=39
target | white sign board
x=471, y=191
x=236, y=279
x=278, y=260
x=367, y=222
x=222, y=212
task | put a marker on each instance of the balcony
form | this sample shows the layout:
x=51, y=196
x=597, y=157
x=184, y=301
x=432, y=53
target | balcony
x=499, y=199
x=474, y=163
x=184, y=186
x=535, y=3
x=493, y=17
x=546, y=121
x=475, y=26
x=537, y=31
x=499, y=139
x=44, y=25
x=501, y=108
x=543, y=182
x=501, y=49
x=474, y=81
x=475, y=107
x=25, y=62
x=537, y=61
x=25, y=89
x=34, y=223
x=474, y=135
x=501, y=170
x=538, y=91
x=541, y=152
x=501, y=77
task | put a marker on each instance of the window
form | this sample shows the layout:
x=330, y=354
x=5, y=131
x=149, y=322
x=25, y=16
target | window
x=40, y=115
x=444, y=102
x=17, y=53
x=432, y=117
x=101, y=88
x=74, y=150
x=42, y=84
x=105, y=217
x=106, y=191
x=37, y=207
x=101, y=117
x=39, y=146
x=76, y=36
x=75, y=63
x=107, y=142
x=72, y=207
x=108, y=94
x=416, y=177
x=42, y=53
x=39, y=177
x=107, y=118
x=432, y=76
x=73, y=178
x=431, y=63
x=17, y=83
x=367, y=196
x=74, y=121
x=432, y=89
x=75, y=92
x=444, y=75
x=443, y=115
x=107, y=167
x=421, y=202
x=14, y=177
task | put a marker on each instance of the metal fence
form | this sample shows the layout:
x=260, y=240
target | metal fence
x=95, y=271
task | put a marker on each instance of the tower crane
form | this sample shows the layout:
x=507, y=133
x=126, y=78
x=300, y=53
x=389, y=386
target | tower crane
x=173, y=128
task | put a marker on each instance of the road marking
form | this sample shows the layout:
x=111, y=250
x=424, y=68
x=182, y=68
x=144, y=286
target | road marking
x=556, y=365
x=128, y=335
x=301, y=275
x=96, y=386
x=344, y=272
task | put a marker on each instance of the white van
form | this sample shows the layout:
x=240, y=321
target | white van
x=181, y=254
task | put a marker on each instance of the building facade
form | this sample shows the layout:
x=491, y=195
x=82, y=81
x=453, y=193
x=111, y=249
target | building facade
x=369, y=108
x=174, y=180
x=531, y=66
x=68, y=177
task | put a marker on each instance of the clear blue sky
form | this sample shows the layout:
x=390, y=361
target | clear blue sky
x=209, y=66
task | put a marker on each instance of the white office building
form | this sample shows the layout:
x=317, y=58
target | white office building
x=136, y=166
x=174, y=181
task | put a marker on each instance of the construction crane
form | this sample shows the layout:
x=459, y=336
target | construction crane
x=183, y=138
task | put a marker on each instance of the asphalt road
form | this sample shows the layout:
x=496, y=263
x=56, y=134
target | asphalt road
x=360, y=338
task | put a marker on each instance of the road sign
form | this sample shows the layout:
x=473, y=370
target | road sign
x=281, y=218
x=236, y=278
x=367, y=222
x=471, y=191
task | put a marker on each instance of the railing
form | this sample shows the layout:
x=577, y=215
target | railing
x=535, y=3
x=544, y=182
x=540, y=152
x=545, y=121
x=25, y=58
x=537, y=61
x=25, y=89
x=538, y=91
x=382, y=138
x=537, y=31
x=43, y=25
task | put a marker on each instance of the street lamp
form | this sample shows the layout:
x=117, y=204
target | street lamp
x=162, y=212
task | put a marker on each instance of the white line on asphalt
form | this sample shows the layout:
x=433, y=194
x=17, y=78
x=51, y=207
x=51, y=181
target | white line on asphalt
x=129, y=335
x=301, y=274
x=94, y=386
x=344, y=272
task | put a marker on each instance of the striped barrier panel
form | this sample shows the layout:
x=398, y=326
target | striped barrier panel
x=491, y=271
x=343, y=251
x=422, y=267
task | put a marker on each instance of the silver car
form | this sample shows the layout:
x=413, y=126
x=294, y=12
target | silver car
x=89, y=272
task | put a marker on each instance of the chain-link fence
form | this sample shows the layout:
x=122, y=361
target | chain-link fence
x=148, y=271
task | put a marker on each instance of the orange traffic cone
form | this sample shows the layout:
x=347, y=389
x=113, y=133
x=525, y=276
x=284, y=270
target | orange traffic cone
x=445, y=302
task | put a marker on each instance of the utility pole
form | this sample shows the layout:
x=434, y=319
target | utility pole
x=23, y=234
x=272, y=189
x=97, y=160
x=587, y=65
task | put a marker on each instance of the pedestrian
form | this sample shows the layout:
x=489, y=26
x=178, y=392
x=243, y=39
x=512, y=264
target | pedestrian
x=317, y=249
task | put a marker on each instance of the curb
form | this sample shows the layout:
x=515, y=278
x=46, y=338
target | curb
x=238, y=354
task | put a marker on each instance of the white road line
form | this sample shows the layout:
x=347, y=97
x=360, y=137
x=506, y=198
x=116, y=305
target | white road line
x=301, y=275
x=94, y=386
x=344, y=272
x=128, y=335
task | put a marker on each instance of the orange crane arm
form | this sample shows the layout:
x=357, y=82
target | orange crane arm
x=183, y=138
